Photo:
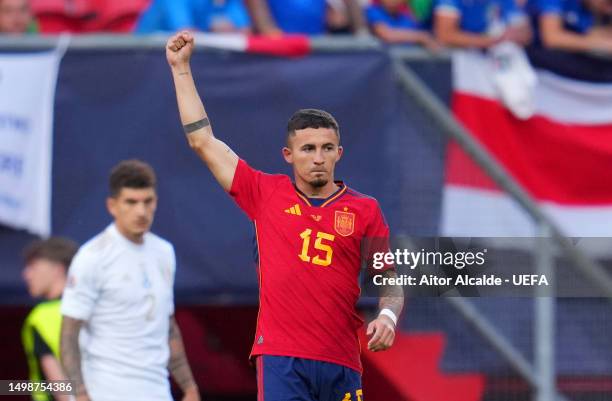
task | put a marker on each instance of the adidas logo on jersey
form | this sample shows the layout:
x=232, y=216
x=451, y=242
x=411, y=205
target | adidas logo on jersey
x=295, y=209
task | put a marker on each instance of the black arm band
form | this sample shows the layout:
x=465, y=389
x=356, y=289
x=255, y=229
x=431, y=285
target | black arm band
x=189, y=128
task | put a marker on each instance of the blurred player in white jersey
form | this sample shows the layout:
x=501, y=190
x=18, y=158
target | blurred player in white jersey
x=119, y=298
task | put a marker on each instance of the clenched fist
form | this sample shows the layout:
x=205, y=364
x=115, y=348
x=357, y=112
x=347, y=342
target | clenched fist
x=179, y=49
x=382, y=333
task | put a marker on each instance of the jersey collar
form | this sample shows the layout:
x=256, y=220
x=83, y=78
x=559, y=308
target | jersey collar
x=333, y=197
x=116, y=234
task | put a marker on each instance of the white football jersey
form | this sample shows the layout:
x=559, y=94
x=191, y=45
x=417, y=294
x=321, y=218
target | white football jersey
x=124, y=294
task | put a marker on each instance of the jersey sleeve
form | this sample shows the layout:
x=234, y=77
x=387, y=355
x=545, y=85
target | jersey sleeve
x=377, y=242
x=82, y=288
x=178, y=15
x=250, y=188
x=172, y=261
x=512, y=13
x=237, y=13
x=41, y=348
x=375, y=15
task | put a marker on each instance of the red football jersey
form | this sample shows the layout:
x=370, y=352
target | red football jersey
x=309, y=263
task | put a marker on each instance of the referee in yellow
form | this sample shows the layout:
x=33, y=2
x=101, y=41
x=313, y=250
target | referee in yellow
x=46, y=263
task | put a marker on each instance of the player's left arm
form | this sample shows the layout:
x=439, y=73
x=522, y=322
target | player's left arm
x=178, y=365
x=382, y=329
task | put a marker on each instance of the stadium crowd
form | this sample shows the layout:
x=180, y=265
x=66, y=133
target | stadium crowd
x=573, y=25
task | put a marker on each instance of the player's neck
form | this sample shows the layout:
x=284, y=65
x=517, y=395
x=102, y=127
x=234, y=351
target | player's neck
x=55, y=292
x=137, y=239
x=317, y=192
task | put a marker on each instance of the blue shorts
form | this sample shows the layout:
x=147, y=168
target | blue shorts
x=283, y=378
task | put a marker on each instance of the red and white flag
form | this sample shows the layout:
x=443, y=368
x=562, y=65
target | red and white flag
x=562, y=155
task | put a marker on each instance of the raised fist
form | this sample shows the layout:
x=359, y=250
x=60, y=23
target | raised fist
x=179, y=48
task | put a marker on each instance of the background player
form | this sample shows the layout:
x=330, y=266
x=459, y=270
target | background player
x=46, y=263
x=120, y=294
x=309, y=237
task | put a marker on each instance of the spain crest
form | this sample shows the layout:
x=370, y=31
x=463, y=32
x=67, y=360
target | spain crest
x=344, y=223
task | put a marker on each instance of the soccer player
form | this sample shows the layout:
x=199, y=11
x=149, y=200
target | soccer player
x=46, y=263
x=275, y=17
x=480, y=24
x=119, y=297
x=392, y=21
x=309, y=235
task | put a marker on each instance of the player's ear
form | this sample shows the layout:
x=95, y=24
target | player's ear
x=111, y=205
x=288, y=155
x=340, y=152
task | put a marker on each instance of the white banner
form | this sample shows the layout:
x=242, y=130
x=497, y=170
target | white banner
x=27, y=91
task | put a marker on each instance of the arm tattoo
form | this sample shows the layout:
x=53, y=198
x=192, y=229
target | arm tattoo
x=178, y=364
x=70, y=353
x=391, y=296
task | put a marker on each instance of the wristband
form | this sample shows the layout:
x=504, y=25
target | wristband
x=389, y=313
x=189, y=128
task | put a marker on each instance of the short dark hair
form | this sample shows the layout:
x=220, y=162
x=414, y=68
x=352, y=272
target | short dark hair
x=55, y=249
x=131, y=174
x=311, y=118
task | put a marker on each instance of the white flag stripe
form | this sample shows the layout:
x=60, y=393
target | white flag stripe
x=557, y=98
x=228, y=41
x=476, y=212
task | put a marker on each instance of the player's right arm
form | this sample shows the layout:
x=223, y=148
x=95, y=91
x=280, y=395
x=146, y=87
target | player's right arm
x=71, y=355
x=78, y=301
x=219, y=158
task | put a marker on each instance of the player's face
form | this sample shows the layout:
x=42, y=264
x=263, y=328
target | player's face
x=14, y=16
x=313, y=153
x=40, y=275
x=133, y=210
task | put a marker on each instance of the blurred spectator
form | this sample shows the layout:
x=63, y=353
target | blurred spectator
x=202, y=15
x=56, y=16
x=480, y=23
x=16, y=17
x=392, y=22
x=570, y=24
x=46, y=263
x=274, y=17
x=339, y=16
x=85, y=16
